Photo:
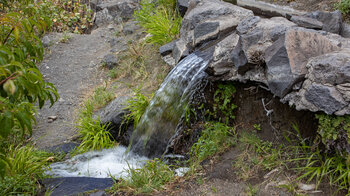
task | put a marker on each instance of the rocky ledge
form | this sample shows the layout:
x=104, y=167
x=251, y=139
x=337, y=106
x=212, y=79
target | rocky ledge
x=302, y=60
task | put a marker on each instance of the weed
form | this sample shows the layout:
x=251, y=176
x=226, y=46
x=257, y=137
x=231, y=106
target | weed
x=24, y=167
x=153, y=176
x=257, y=127
x=223, y=106
x=344, y=6
x=65, y=37
x=161, y=21
x=215, y=138
x=137, y=105
x=251, y=190
x=95, y=135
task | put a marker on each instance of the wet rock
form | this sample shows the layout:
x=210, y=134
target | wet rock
x=345, y=32
x=286, y=59
x=307, y=22
x=167, y=48
x=332, y=21
x=113, y=114
x=63, y=148
x=76, y=185
x=182, y=6
x=328, y=99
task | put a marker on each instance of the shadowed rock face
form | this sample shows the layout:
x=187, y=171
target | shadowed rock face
x=286, y=59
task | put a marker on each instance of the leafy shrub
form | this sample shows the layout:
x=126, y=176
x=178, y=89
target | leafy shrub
x=223, y=105
x=335, y=132
x=153, y=176
x=160, y=20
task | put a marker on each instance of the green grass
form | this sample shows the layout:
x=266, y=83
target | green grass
x=153, y=176
x=215, y=138
x=137, y=105
x=94, y=134
x=160, y=20
x=25, y=165
x=343, y=6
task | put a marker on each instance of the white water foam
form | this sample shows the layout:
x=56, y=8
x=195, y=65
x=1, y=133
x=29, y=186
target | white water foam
x=99, y=164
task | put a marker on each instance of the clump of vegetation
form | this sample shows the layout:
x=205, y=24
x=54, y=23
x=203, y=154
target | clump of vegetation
x=215, y=138
x=153, y=176
x=24, y=166
x=95, y=135
x=344, y=6
x=160, y=20
x=335, y=132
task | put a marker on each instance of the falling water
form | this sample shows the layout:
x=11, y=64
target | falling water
x=151, y=137
x=159, y=122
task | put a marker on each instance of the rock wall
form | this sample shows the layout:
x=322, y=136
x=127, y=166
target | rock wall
x=303, y=61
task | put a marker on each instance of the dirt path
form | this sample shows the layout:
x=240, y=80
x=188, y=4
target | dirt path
x=73, y=67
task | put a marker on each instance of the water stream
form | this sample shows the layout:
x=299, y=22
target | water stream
x=154, y=132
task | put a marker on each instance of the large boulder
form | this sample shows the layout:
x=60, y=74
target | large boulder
x=256, y=35
x=332, y=21
x=286, y=59
x=207, y=21
x=115, y=11
x=113, y=115
x=327, y=85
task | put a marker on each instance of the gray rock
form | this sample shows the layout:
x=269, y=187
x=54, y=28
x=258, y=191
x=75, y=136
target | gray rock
x=93, y=5
x=332, y=21
x=180, y=50
x=206, y=31
x=182, y=6
x=328, y=99
x=332, y=69
x=63, y=148
x=221, y=62
x=130, y=28
x=103, y=17
x=110, y=61
x=76, y=185
x=256, y=35
x=113, y=114
x=119, y=9
x=46, y=41
x=345, y=31
x=167, y=48
x=286, y=59
x=307, y=22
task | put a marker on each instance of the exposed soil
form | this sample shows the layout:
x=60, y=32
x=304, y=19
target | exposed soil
x=74, y=68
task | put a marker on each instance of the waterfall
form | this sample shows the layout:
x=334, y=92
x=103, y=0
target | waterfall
x=154, y=131
x=160, y=120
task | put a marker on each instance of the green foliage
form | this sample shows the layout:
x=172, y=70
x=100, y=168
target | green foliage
x=223, y=103
x=344, y=6
x=151, y=177
x=160, y=20
x=335, y=132
x=215, y=138
x=95, y=135
x=24, y=166
x=137, y=105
